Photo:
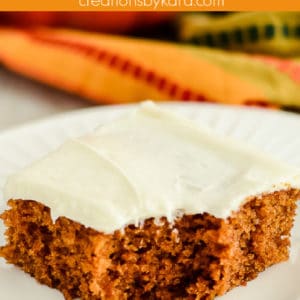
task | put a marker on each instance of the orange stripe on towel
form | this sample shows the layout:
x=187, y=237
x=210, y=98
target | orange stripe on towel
x=125, y=66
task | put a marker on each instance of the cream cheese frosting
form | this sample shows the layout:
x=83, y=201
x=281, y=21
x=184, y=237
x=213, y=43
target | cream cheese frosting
x=150, y=163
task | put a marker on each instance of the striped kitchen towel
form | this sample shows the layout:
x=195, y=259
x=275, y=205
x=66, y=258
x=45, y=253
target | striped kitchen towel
x=276, y=33
x=112, y=69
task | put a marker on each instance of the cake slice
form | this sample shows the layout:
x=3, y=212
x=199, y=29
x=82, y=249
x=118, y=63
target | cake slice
x=149, y=206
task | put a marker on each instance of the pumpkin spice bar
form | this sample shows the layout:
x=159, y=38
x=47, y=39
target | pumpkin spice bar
x=149, y=206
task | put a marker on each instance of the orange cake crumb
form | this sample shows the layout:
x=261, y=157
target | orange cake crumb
x=197, y=257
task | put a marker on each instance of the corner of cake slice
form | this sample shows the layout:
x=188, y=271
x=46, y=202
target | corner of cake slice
x=149, y=206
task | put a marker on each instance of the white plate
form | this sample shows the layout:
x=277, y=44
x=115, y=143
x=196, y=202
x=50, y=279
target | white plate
x=274, y=132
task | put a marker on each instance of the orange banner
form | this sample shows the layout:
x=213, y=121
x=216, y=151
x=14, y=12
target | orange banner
x=149, y=5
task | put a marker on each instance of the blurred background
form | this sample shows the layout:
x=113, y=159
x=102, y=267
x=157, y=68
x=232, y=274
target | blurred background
x=56, y=62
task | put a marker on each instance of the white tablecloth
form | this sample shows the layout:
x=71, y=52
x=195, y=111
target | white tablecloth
x=22, y=100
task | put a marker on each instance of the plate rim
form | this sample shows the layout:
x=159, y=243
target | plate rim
x=165, y=104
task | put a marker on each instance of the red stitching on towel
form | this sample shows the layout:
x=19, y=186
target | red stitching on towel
x=126, y=66
x=173, y=90
x=113, y=60
x=150, y=76
x=162, y=82
x=137, y=72
x=186, y=95
x=101, y=55
x=200, y=98
x=260, y=103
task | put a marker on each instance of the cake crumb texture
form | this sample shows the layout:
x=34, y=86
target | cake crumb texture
x=197, y=257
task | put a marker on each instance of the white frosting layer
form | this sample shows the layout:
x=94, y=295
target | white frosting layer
x=150, y=163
